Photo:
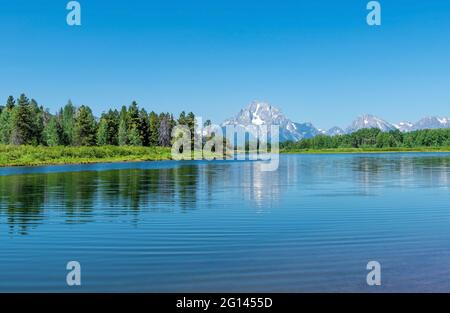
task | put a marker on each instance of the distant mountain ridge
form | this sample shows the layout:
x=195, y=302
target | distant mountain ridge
x=369, y=121
x=262, y=113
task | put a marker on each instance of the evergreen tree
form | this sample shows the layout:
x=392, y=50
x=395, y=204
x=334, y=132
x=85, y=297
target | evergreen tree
x=53, y=132
x=113, y=127
x=68, y=123
x=190, y=121
x=182, y=119
x=6, y=121
x=102, y=132
x=123, y=127
x=10, y=103
x=134, y=137
x=107, y=133
x=133, y=115
x=154, y=129
x=38, y=116
x=22, y=123
x=85, y=127
x=144, y=127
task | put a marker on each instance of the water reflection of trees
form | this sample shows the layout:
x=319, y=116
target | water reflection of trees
x=401, y=171
x=80, y=197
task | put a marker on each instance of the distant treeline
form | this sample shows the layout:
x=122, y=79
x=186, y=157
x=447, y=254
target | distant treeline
x=375, y=138
x=24, y=122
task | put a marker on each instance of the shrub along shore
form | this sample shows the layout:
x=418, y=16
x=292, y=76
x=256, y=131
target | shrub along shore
x=364, y=150
x=33, y=156
x=11, y=155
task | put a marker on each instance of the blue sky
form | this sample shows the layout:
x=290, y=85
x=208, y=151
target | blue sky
x=317, y=60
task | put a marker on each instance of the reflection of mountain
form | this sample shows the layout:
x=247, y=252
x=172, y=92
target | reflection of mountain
x=258, y=187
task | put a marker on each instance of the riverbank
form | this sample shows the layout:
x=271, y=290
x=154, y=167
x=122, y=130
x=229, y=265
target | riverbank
x=364, y=150
x=35, y=156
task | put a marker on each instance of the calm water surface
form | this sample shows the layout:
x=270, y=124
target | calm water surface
x=226, y=226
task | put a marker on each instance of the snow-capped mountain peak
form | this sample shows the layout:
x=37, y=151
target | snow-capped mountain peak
x=404, y=126
x=335, y=131
x=262, y=113
x=432, y=122
x=369, y=121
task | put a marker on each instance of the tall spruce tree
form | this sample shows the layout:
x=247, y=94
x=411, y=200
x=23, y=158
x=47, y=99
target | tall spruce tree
x=85, y=127
x=182, y=120
x=108, y=128
x=144, y=127
x=154, y=129
x=22, y=123
x=38, y=116
x=134, y=136
x=10, y=103
x=68, y=123
x=6, y=121
x=190, y=121
x=53, y=132
x=123, y=127
x=102, y=132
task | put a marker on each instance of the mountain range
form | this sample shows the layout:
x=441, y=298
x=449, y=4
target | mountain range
x=262, y=113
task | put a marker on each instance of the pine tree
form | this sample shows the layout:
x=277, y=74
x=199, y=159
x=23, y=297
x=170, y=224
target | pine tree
x=68, y=123
x=102, y=132
x=85, y=127
x=6, y=121
x=123, y=127
x=10, y=103
x=190, y=121
x=134, y=138
x=144, y=127
x=37, y=114
x=154, y=129
x=182, y=119
x=22, y=123
x=133, y=115
x=108, y=128
x=53, y=132
x=113, y=127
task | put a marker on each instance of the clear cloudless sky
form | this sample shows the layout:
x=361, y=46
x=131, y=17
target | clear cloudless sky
x=318, y=60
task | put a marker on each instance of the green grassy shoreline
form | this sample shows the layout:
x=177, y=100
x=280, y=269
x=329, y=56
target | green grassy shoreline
x=38, y=156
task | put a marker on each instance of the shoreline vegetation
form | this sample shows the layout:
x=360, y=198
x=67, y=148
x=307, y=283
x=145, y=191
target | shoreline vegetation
x=366, y=150
x=15, y=156
x=11, y=156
